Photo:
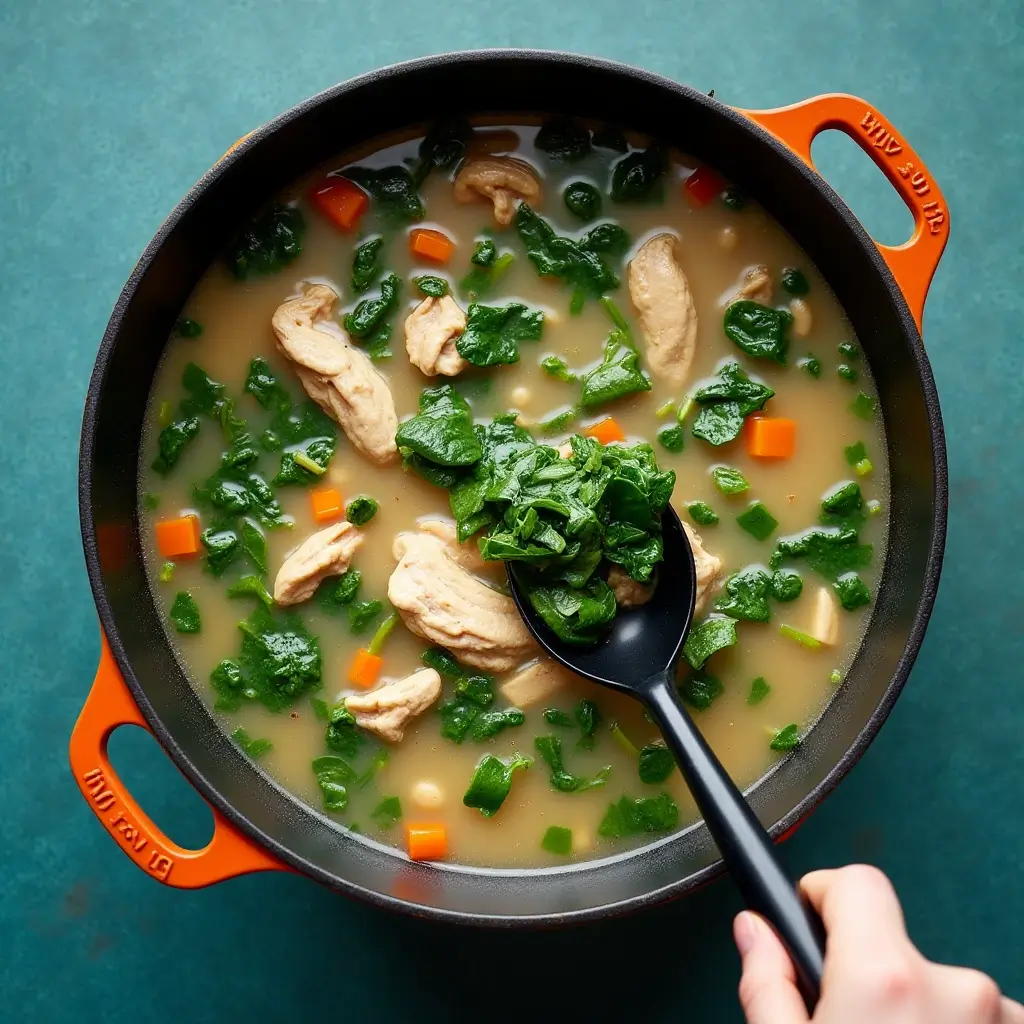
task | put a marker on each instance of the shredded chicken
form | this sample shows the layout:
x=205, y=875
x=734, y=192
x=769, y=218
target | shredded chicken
x=327, y=552
x=535, y=683
x=438, y=599
x=387, y=710
x=629, y=593
x=756, y=286
x=335, y=374
x=709, y=567
x=501, y=179
x=466, y=555
x=664, y=304
x=431, y=330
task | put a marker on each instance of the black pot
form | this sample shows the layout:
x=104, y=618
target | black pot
x=259, y=826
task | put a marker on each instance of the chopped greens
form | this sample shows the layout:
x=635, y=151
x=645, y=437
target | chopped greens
x=185, y=613
x=555, y=367
x=484, y=253
x=810, y=364
x=847, y=372
x=268, y=244
x=745, y=595
x=726, y=402
x=186, y=328
x=588, y=718
x=852, y=591
x=758, y=521
x=381, y=634
x=251, y=586
x=481, y=280
x=254, y=748
x=863, y=406
x=387, y=812
x=368, y=322
x=701, y=690
x=787, y=738
x=563, y=139
x=629, y=817
x=711, y=635
x=435, y=287
x=830, y=551
x=392, y=189
x=620, y=737
x=794, y=281
x=557, y=840
x=362, y=614
x=360, y=510
x=786, y=585
x=172, y=442
x=490, y=723
x=849, y=351
x=366, y=264
x=758, y=330
x=729, y=480
x=166, y=573
x=637, y=177
x=843, y=505
x=493, y=333
x=343, y=735
x=442, y=432
x=656, y=763
x=673, y=438
x=855, y=453
x=550, y=749
x=582, y=200
x=333, y=776
x=334, y=593
x=618, y=375
x=491, y=783
x=443, y=147
x=702, y=513
x=554, y=716
x=759, y=689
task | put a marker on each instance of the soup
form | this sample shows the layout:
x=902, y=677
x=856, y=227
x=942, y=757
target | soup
x=629, y=322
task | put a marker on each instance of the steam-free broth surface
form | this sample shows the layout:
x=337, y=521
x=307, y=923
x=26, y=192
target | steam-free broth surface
x=718, y=244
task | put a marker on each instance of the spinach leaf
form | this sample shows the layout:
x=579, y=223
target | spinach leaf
x=630, y=817
x=846, y=372
x=794, y=281
x=729, y=480
x=746, y=595
x=362, y=615
x=254, y=748
x=758, y=521
x=618, y=375
x=718, y=424
x=843, y=505
x=251, y=586
x=810, y=364
x=557, y=368
x=343, y=735
x=759, y=330
x=637, y=177
x=830, y=551
x=333, y=776
x=554, y=716
x=484, y=253
x=582, y=200
x=588, y=718
x=656, y=763
x=849, y=351
x=563, y=139
x=550, y=749
x=172, y=442
x=435, y=287
x=393, y=189
x=490, y=723
x=443, y=146
x=230, y=686
x=493, y=333
x=726, y=401
x=366, y=264
x=856, y=452
x=608, y=237
x=204, y=395
x=863, y=406
x=852, y=590
x=577, y=616
x=186, y=328
x=481, y=280
x=557, y=840
x=268, y=244
x=711, y=635
x=787, y=738
x=387, y=812
x=222, y=548
x=333, y=594
x=368, y=322
x=701, y=690
x=185, y=613
x=443, y=431
x=491, y=783
x=443, y=662
x=759, y=689
x=786, y=585
x=672, y=438
x=360, y=510
x=702, y=513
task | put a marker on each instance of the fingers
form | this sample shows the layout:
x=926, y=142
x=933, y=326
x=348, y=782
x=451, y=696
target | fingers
x=768, y=990
x=1013, y=1012
x=962, y=994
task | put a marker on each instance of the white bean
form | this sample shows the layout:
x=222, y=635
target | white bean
x=802, y=319
x=520, y=396
x=426, y=794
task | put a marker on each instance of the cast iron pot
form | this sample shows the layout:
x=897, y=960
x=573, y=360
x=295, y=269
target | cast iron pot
x=259, y=826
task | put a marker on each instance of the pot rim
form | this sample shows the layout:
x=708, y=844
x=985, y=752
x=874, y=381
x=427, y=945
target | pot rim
x=915, y=634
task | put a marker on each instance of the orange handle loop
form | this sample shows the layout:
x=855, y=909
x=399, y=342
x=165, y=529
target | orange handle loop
x=229, y=853
x=913, y=263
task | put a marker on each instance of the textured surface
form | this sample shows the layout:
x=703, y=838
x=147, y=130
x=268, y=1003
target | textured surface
x=110, y=111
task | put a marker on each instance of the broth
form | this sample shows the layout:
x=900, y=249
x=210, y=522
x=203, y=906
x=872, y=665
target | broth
x=718, y=244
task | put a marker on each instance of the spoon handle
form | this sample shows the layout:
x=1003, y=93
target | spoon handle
x=742, y=840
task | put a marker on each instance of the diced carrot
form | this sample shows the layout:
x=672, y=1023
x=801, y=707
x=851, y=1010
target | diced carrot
x=426, y=840
x=177, y=537
x=365, y=668
x=340, y=200
x=431, y=245
x=605, y=431
x=326, y=503
x=771, y=437
x=703, y=185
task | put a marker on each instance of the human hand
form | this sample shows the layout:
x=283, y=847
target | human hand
x=873, y=973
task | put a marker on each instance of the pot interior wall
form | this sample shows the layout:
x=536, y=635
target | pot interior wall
x=516, y=83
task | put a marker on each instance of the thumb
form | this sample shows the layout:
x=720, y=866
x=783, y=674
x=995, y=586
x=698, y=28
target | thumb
x=768, y=992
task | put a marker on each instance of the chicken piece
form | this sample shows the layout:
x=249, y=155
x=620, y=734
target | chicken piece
x=824, y=617
x=386, y=711
x=709, y=567
x=664, y=304
x=629, y=593
x=431, y=330
x=466, y=555
x=335, y=374
x=327, y=552
x=438, y=599
x=757, y=285
x=535, y=683
x=501, y=179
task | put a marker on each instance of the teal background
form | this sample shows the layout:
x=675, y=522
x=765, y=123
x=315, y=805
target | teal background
x=109, y=112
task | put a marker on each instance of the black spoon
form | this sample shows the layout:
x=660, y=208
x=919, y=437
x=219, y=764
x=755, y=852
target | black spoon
x=639, y=656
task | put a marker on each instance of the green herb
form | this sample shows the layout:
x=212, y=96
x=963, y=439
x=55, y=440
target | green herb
x=493, y=333
x=726, y=401
x=701, y=690
x=582, y=200
x=759, y=689
x=557, y=840
x=360, y=510
x=443, y=146
x=550, y=749
x=251, y=586
x=186, y=328
x=637, y=177
x=618, y=375
x=803, y=639
x=849, y=351
x=620, y=737
x=729, y=480
x=557, y=368
x=366, y=264
x=811, y=365
x=394, y=191
x=166, y=573
x=443, y=431
x=630, y=817
x=656, y=763
x=702, y=513
x=846, y=372
x=563, y=139
x=843, y=505
x=321, y=709
x=484, y=253
x=333, y=776
x=368, y=322
x=172, y=442
x=489, y=723
x=554, y=716
x=343, y=735
x=758, y=330
x=608, y=237
x=835, y=677
x=254, y=748
x=786, y=585
x=361, y=615
x=746, y=595
x=758, y=521
x=852, y=590
x=435, y=287
x=794, y=281
x=491, y=783
x=382, y=633
x=672, y=438
x=558, y=423
x=268, y=244
x=855, y=453
x=185, y=613
x=711, y=635
x=333, y=594
x=735, y=198
x=787, y=738
x=480, y=281
x=387, y=812
x=588, y=718
x=863, y=406
x=151, y=500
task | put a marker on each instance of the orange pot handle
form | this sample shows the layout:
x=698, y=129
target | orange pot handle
x=913, y=263
x=229, y=853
